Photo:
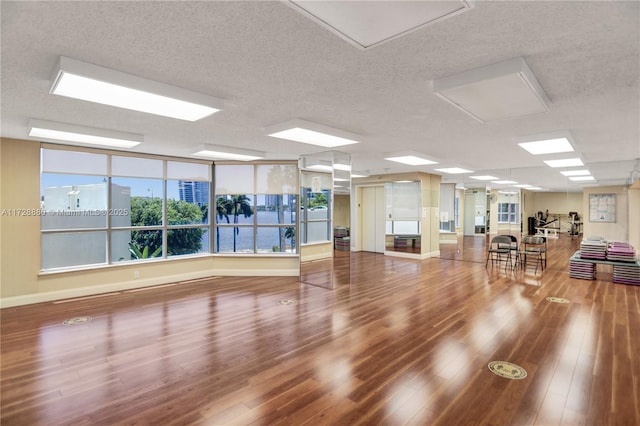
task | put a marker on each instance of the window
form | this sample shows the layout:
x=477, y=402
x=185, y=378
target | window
x=508, y=213
x=315, y=207
x=403, y=201
x=105, y=208
x=447, y=207
x=255, y=208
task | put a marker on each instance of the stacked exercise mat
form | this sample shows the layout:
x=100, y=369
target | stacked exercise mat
x=628, y=273
x=582, y=270
x=621, y=252
x=594, y=250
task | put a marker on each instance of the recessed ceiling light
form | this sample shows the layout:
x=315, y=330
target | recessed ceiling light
x=412, y=160
x=228, y=153
x=312, y=133
x=523, y=186
x=494, y=92
x=93, y=83
x=504, y=182
x=57, y=132
x=454, y=170
x=335, y=179
x=565, y=162
x=549, y=146
x=534, y=188
x=576, y=172
x=484, y=177
x=582, y=178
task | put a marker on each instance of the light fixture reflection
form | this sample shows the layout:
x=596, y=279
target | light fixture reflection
x=228, y=153
x=56, y=132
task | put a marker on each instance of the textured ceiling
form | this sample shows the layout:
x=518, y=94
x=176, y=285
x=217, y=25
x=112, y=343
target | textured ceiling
x=271, y=64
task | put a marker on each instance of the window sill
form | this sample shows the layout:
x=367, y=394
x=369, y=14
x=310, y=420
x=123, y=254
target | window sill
x=133, y=263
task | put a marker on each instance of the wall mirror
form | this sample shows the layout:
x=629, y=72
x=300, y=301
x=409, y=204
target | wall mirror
x=403, y=216
x=325, y=181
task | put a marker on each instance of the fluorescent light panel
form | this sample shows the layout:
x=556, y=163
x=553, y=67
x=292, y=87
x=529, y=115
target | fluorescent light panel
x=523, y=186
x=582, y=178
x=549, y=146
x=57, y=132
x=228, y=153
x=411, y=160
x=576, y=172
x=504, y=90
x=454, y=170
x=566, y=162
x=504, y=182
x=484, y=177
x=312, y=133
x=93, y=83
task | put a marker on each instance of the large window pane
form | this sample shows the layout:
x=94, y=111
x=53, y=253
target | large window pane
x=73, y=201
x=187, y=241
x=67, y=249
x=142, y=244
x=187, y=202
x=406, y=227
x=317, y=231
x=181, y=170
x=136, y=167
x=234, y=239
x=73, y=162
x=142, y=198
x=277, y=179
x=403, y=200
x=234, y=209
x=275, y=239
x=234, y=179
x=276, y=208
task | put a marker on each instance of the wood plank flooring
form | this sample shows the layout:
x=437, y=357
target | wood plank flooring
x=408, y=342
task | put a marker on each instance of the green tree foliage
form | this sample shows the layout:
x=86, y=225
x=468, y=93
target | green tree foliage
x=317, y=200
x=148, y=212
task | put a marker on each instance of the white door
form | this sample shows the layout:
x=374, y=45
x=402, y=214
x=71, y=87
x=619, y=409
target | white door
x=373, y=220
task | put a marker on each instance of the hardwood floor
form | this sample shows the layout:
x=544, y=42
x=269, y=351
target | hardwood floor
x=408, y=342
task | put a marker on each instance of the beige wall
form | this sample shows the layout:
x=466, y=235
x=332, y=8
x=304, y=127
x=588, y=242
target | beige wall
x=558, y=202
x=342, y=210
x=619, y=230
x=21, y=281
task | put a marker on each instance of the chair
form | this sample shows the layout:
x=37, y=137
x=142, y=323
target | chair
x=500, y=245
x=533, y=249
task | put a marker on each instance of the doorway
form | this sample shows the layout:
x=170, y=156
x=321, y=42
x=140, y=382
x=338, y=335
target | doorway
x=372, y=211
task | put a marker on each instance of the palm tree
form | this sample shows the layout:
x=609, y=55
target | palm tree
x=290, y=233
x=241, y=205
x=232, y=205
